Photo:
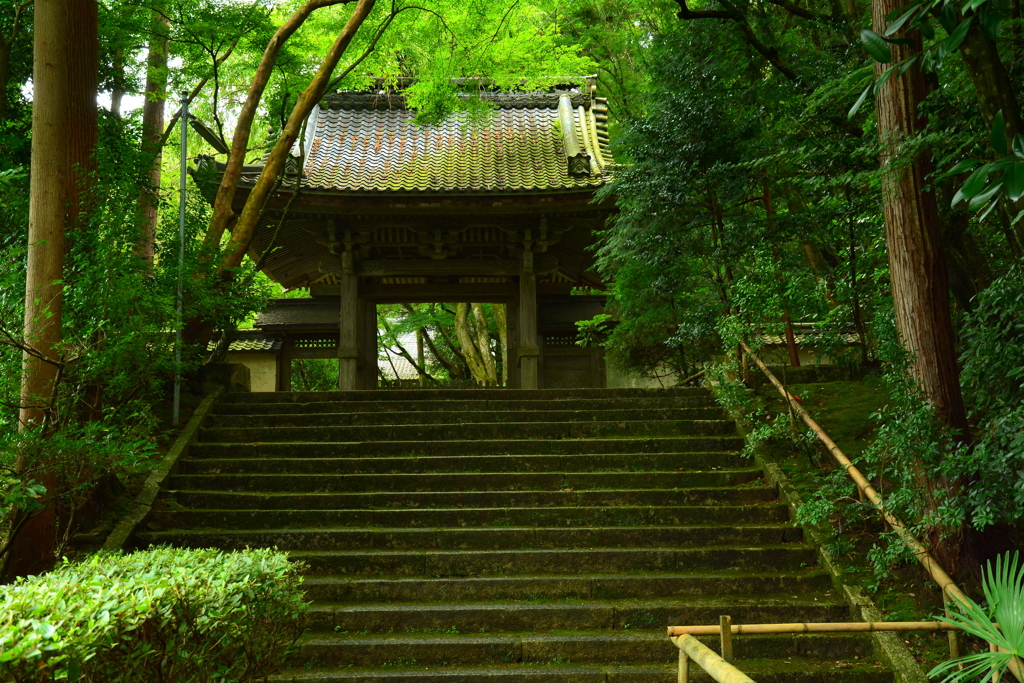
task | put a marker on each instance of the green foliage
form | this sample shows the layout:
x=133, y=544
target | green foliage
x=993, y=378
x=1000, y=622
x=162, y=614
x=117, y=357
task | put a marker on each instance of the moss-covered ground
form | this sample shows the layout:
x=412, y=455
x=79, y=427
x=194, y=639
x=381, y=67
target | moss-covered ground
x=845, y=410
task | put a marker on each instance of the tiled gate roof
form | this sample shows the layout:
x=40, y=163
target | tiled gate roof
x=369, y=142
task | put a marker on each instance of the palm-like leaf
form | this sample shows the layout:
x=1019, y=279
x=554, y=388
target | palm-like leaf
x=1004, y=591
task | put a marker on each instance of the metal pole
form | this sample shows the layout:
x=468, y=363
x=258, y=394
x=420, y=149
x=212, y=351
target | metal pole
x=181, y=256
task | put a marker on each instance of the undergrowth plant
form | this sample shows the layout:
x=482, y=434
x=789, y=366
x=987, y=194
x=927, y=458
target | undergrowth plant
x=1000, y=621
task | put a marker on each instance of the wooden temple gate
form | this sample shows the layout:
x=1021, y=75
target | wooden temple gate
x=390, y=211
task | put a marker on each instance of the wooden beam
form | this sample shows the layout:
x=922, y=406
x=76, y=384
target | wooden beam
x=532, y=203
x=437, y=293
x=428, y=267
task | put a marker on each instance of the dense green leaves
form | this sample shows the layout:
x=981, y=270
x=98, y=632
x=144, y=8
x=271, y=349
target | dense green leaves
x=161, y=614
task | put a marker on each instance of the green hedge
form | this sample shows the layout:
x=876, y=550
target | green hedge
x=162, y=614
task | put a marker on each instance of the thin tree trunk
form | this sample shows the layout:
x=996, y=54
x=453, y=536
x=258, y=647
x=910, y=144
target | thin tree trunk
x=117, y=93
x=223, y=214
x=241, y=234
x=32, y=551
x=501, y=320
x=483, y=343
x=6, y=46
x=5, y=74
x=152, y=131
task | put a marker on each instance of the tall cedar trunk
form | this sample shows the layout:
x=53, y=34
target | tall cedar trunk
x=920, y=282
x=32, y=551
x=152, y=131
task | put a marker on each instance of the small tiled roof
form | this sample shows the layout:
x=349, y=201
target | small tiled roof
x=369, y=143
x=251, y=342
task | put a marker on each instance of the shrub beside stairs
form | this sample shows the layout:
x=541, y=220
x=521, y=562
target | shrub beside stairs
x=528, y=536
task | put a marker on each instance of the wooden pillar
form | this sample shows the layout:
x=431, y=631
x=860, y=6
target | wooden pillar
x=528, y=350
x=284, y=364
x=348, y=339
x=512, y=326
x=368, y=345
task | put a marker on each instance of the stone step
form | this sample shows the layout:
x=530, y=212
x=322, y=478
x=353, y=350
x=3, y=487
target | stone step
x=473, y=431
x=584, y=463
x=541, y=648
x=591, y=586
x=369, y=396
x=479, y=538
x=471, y=618
x=394, y=417
x=168, y=516
x=440, y=563
x=456, y=406
x=772, y=670
x=327, y=480
x=464, y=447
x=220, y=499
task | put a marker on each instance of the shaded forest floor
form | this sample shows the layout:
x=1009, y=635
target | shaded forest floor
x=845, y=410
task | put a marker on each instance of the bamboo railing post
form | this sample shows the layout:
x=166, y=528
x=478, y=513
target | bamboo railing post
x=684, y=668
x=725, y=624
x=952, y=636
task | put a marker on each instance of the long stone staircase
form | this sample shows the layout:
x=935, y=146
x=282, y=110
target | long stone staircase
x=532, y=536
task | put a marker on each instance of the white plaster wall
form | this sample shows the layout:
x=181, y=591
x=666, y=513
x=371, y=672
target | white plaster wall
x=262, y=369
x=623, y=379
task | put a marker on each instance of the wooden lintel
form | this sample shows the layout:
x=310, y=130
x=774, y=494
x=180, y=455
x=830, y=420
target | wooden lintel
x=447, y=293
x=420, y=205
x=428, y=267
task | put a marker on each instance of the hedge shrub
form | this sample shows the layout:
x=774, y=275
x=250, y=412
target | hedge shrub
x=163, y=614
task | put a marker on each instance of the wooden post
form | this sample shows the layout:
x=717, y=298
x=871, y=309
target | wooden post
x=512, y=327
x=528, y=350
x=684, y=668
x=725, y=624
x=284, y=364
x=348, y=323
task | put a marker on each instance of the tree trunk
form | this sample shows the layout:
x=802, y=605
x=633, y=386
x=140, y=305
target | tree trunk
x=83, y=83
x=920, y=281
x=32, y=551
x=992, y=83
x=483, y=343
x=152, y=131
x=223, y=214
x=501, y=320
x=466, y=342
x=241, y=234
x=917, y=267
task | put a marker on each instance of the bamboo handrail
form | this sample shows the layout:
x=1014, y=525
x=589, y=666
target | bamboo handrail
x=936, y=571
x=716, y=667
x=825, y=627
x=938, y=574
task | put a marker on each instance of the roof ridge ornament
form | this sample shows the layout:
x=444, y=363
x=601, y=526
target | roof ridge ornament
x=577, y=159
